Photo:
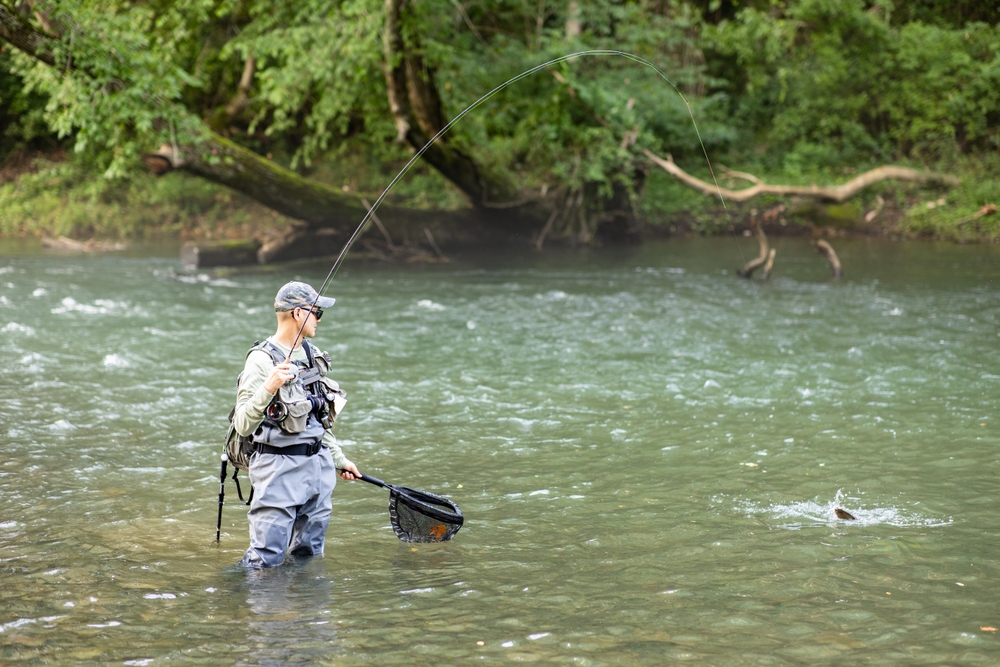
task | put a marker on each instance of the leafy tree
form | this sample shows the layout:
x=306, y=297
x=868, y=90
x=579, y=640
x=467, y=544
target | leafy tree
x=213, y=86
x=830, y=82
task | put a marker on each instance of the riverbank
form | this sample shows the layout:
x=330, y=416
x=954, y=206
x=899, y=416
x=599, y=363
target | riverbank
x=49, y=197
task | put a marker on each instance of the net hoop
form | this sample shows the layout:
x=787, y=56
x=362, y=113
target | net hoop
x=429, y=505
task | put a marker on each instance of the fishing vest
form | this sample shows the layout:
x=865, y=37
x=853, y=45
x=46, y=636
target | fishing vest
x=300, y=412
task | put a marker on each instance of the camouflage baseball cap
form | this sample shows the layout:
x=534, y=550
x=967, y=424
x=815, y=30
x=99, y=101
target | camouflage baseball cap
x=299, y=295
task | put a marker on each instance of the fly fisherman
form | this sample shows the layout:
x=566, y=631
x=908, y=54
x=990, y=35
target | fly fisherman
x=287, y=409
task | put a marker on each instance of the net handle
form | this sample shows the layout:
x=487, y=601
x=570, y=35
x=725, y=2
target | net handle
x=371, y=480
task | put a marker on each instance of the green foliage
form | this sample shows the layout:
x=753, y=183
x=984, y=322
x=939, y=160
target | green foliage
x=22, y=119
x=793, y=90
x=114, y=88
x=833, y=82
x=955, y=214
x=565, y=126
x=318, y=69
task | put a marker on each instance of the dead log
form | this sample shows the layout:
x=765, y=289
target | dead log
x=219, y=253
x=827, y=251
x=766, y=255
x=837, y=193
x=66, y=244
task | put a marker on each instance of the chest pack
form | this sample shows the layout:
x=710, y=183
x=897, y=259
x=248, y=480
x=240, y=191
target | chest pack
x=309, y=401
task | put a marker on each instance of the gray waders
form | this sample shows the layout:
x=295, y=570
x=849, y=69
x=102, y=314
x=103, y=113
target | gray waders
x=291, y=506
x=292, y=474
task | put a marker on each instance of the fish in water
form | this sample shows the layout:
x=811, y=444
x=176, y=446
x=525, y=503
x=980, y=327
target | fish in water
x=843, y=514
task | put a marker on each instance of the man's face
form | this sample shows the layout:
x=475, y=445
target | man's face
x=311, y=318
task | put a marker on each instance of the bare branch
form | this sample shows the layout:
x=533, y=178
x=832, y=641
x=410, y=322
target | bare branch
x=381, y=227
x=546, y=229
x=838, y=193
x=430, y=239
x=827, y=251
x=766, y=253
x=238, y=103
x=769, y=264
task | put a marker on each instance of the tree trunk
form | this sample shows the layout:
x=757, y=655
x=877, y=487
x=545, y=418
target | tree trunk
x=417, y=110
x=227, y=163
x=24, y=36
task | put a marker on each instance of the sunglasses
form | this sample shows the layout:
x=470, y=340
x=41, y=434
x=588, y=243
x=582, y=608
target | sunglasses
x=318, y=312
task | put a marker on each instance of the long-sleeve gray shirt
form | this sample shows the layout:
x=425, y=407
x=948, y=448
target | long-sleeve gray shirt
x=252, y=398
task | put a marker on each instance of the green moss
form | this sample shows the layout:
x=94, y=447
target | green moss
x=844, y=216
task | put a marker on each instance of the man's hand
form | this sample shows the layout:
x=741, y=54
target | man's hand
x=349, y=471
x=280, y=374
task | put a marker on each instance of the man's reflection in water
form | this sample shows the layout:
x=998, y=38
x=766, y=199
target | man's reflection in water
x=290, y=620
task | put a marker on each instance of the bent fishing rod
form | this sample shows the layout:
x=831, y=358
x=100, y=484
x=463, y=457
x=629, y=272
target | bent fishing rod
x=453, y=121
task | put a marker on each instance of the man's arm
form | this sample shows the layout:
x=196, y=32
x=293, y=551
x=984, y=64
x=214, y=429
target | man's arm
x=255, y=392
x=342, y=462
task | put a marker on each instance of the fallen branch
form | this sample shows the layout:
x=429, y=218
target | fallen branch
x=546, y=229
x=837, y=193
x=988, y=209
x=71, y=245
x=766, y=255
x=769, y=264
x=827, y=251
x=434, y=245
x=381, y=227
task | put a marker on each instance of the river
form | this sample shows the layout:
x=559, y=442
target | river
x=648, y=451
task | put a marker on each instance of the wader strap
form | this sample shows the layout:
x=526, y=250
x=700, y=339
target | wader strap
x=312, y=376
x=291, y=450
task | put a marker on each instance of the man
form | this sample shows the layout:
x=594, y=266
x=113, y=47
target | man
x=281, y=403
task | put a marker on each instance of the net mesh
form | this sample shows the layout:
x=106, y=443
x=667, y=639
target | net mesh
x=418, y=516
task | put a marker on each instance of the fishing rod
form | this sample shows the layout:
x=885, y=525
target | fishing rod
x=443, y=130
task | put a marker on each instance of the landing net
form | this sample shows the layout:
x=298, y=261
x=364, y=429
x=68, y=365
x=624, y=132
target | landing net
x=418, y=516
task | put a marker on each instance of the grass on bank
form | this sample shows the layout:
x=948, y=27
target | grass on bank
x=64, y=199
x=61, y=199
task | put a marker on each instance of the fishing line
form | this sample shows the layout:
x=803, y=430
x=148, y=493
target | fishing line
x=484, y=98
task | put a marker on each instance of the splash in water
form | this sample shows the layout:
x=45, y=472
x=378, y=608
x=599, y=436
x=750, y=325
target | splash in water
x=797, y=515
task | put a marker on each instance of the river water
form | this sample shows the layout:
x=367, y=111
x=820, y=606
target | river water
x=648, y=451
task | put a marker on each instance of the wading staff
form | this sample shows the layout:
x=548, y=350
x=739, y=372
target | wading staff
x=416, y=156
x=222, y=495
